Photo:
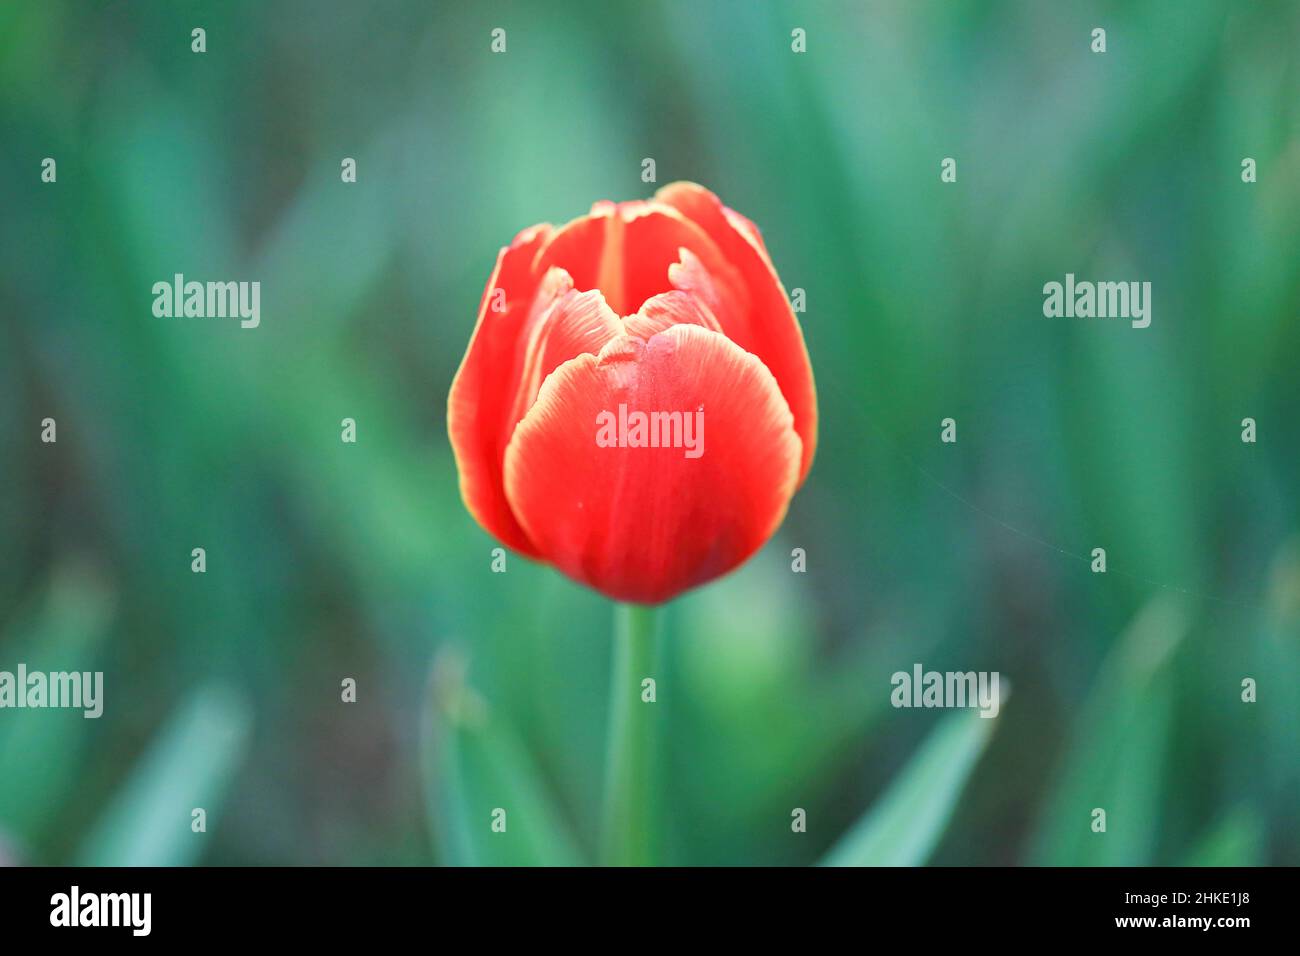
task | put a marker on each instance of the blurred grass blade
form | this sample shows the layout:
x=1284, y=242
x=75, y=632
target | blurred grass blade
x=1236, y=840
x=905, y=824
x=473, y=767
x=189, y=765
x=41, y=751
x=762, y=723
x=1278, y=653
x=1116, y=759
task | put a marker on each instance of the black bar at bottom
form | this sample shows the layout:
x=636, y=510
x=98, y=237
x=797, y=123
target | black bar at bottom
x=334, y=906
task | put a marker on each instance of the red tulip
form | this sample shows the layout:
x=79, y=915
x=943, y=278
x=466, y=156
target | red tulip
x=626, y=315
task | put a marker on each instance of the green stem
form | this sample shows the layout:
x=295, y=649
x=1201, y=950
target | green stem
x=629, y=825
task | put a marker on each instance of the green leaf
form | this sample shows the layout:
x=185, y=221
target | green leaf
x=189, y=765
x=42, y=751
x=905, y=824
x=1116, y=760
x=477, y=774
x=1236, y=840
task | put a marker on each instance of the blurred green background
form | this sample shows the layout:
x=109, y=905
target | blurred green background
x=328, y=560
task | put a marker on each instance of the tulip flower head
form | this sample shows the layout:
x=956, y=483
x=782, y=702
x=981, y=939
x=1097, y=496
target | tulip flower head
x=636, y=406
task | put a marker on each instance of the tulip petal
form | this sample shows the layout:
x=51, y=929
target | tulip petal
x=483, y=391
x=565, y=323
x=627, y=249
x=728, y=300
x=645, y=523
x=667, y=309
x=770, y=329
